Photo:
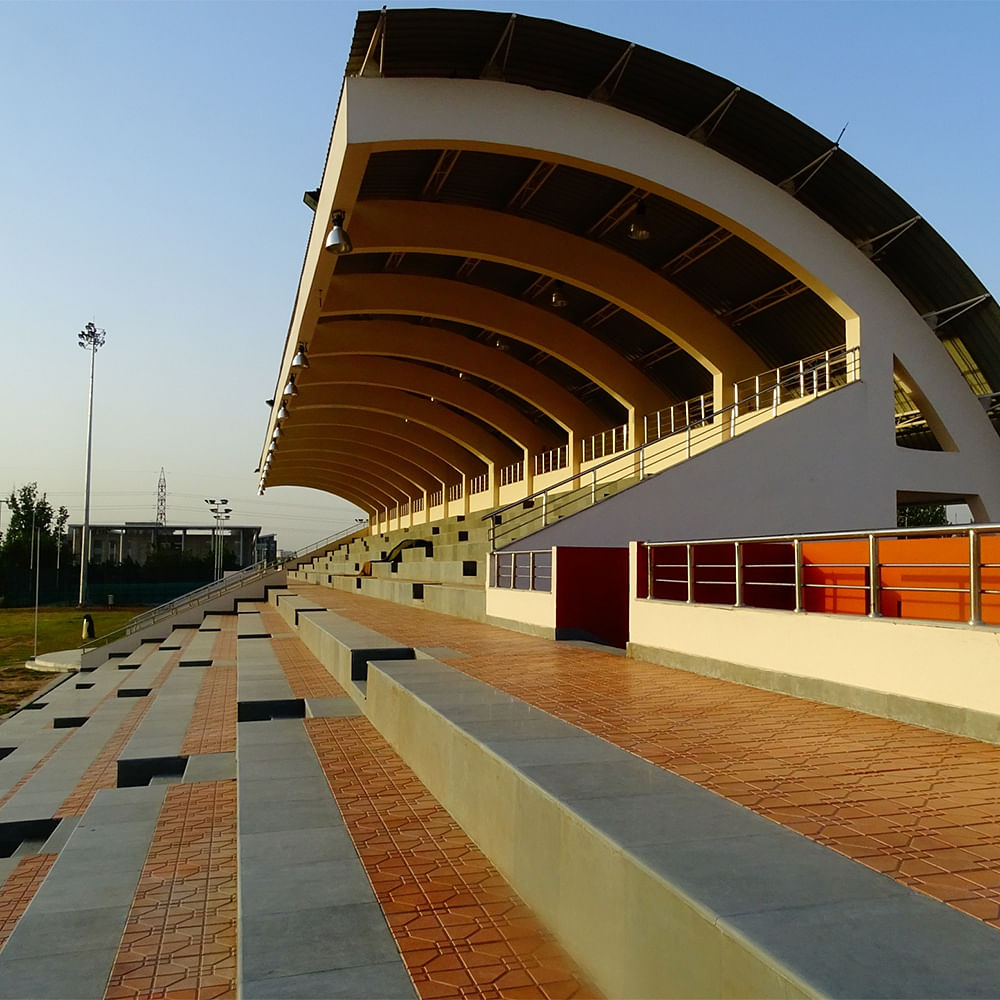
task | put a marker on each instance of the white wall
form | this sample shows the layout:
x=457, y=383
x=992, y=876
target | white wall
x=486, y=115
x=805, y=471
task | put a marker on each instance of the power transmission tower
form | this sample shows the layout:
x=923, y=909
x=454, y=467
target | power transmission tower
x=161, y=498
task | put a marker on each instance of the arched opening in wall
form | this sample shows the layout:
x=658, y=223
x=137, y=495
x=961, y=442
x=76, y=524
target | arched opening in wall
x=922, y=510
x=918, y=425
x=915, y=509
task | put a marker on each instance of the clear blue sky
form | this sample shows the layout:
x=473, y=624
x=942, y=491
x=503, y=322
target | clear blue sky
x=153, y=158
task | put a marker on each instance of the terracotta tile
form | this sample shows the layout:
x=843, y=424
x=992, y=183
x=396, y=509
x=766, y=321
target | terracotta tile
x=887, y=793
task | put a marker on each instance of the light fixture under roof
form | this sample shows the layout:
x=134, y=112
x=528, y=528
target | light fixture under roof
x=283, y=412
x=337, y=240
x=290, y=389
x=558, y=297
x=637, y=227
x=300, y=360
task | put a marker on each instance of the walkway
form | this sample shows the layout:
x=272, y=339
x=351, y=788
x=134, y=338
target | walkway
x=920, y=806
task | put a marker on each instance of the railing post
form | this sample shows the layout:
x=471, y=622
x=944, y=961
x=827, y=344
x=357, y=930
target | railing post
x=645, y=427
x=690, y=573
x=642, y=462
x=827, y=370
x=545, y=506
x=649, y=572
x=874, y=579
x=531, y=570
x=593, y=486
x=975, y=579
x=738, y=573
x=797, y=556
x=687, y=442
x=802, y=378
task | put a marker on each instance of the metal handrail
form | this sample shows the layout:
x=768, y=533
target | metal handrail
x=708, y=426
x=217, y=588
x=873, y=566
x=538, y=566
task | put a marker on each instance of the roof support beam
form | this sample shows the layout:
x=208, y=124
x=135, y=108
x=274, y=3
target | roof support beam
x=414, y=409
x=696, y=251
x=454, y=300
x=797, y=181
x=456, y=230
x=533, y=183
x=346, y=484
x=875, y=246
x=702, y=132
x=496, y=65
x=316, y=433
x=389, y=337
x=419, y=464
x=367, y=459
x=386, y=480
x=772, y=298
x=605, y=90
x=322, y=383
x=934, y=318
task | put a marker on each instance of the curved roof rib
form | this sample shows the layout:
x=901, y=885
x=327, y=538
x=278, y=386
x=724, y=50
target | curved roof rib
x=507, y=235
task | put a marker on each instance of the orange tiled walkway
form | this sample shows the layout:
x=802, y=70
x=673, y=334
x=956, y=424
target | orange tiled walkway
x=306, y=676
x=180, y=939
x=920, y=806
x=19, y=889
x=461, y=929
x=213, y=721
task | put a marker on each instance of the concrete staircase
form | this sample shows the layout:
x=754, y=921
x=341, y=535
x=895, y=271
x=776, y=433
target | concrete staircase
x=450, y=578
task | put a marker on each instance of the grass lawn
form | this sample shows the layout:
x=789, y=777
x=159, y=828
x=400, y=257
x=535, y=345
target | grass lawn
x=58, y=628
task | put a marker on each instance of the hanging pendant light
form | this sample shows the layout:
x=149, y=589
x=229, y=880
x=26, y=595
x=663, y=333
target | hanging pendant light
x=637, y=227
x=337, y=240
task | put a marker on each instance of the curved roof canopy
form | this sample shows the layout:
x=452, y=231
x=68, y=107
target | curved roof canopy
x=498, y=304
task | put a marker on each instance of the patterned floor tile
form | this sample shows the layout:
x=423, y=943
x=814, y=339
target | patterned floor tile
x=180, y=938
x=919, y=805
x=461, y=929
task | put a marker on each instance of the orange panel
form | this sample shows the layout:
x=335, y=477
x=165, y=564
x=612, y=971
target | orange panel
x=932, y=553
x=824, y=571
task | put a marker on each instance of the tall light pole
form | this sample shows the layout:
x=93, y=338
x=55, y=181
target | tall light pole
x=221, y=513
x=90, y=339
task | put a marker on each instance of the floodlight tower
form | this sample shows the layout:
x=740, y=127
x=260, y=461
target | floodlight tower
x=221, y=513
x=90, y=339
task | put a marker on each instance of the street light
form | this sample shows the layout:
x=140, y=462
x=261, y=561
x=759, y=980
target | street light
x=221, y=513
x=90, y=339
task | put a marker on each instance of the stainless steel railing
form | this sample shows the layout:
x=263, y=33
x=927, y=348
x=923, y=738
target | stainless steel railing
x=661, y=575
x=522, y=570
x=817, y=374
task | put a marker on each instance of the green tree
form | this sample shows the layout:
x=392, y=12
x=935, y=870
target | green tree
x=921, y=515
x=35, y=529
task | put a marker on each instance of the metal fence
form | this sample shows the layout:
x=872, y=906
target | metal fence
x=797, y=573
x=522, y=570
